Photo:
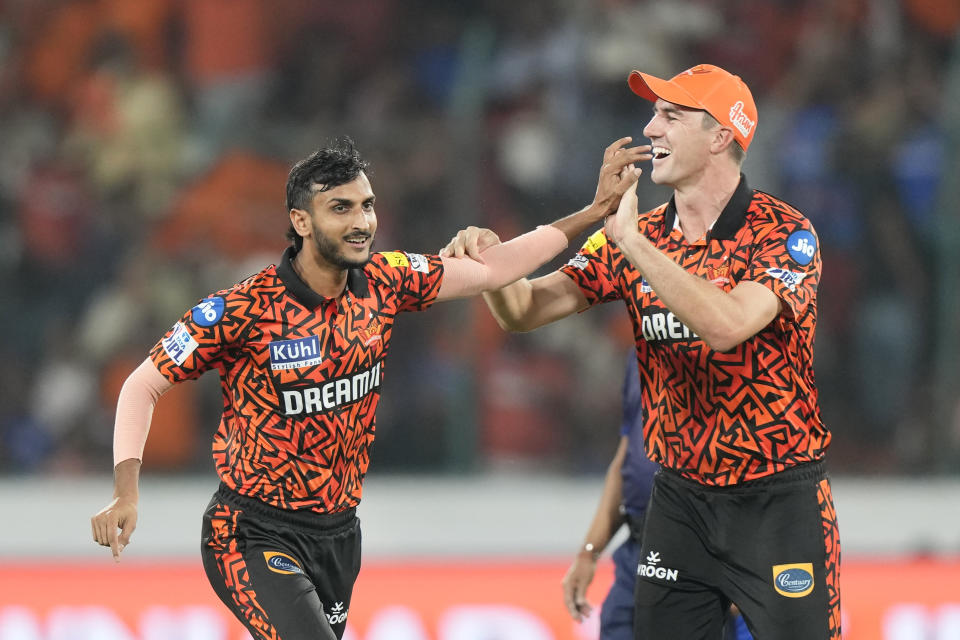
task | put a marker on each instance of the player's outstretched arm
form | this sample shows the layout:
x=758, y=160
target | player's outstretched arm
x=113, y=525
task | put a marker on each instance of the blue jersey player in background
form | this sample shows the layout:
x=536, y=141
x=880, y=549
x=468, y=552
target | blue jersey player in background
x=626, y=491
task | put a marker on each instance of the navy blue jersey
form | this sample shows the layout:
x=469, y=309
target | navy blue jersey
x=637, y=469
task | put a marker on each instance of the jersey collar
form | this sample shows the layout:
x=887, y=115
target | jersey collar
x=356, y=282
x=731, y=218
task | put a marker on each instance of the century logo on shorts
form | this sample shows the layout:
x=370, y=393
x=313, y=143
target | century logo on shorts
x=332, y=394
x=793, y=580
x=293, y=354
x=281, y=563
x=652, y=570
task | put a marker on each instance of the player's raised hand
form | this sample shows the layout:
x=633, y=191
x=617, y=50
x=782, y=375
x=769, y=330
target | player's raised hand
x=114, y=524
x=575, y=583
x=624, y=220
x=470, y=242
x=614, y=181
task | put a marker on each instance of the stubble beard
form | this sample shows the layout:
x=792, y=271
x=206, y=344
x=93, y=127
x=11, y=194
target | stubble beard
x=330, y=252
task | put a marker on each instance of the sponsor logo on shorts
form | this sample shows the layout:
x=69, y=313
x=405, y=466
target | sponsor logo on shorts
x=579, y=261
x=209, y=311
x=293, y=354
x=337, y=615
x=179, y=344
x=281, y=563
x=793, y=580
x=802, y=246
x=650, y=569
x=789, y=278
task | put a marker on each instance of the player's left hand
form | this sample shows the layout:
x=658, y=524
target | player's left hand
x=575, y=583
x=470, y=242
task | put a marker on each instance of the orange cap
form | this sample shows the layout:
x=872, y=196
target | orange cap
x=721, y=94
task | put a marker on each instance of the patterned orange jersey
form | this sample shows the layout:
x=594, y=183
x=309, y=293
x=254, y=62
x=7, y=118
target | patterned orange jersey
x=721, y=418
x=300, y=375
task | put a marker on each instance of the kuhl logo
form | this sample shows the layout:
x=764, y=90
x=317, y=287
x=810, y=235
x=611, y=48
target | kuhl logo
x=802, y=246
x=292, y=354
x=793, y=580
x=337, y=615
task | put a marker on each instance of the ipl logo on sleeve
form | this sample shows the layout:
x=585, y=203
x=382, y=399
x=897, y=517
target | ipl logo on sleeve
x=179, y=344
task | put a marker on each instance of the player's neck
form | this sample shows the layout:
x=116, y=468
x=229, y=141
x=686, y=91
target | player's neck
x=326, y=279
x=700, y=203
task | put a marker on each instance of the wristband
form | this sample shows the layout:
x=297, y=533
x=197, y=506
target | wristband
x=591, y=549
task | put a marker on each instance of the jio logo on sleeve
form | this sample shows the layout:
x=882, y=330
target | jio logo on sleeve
x=802, y=246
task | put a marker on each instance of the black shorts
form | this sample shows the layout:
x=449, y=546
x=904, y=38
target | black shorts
x=286, y=575
x=770, y=546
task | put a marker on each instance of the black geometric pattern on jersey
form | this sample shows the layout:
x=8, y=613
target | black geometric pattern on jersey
x=300, y=375
x=722, y=418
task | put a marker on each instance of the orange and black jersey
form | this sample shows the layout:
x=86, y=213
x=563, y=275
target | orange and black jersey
x=721, y=418
x=300, y=374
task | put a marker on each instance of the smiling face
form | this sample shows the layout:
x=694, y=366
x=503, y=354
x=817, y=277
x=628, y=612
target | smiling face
x=341, y=223
x=681, y=144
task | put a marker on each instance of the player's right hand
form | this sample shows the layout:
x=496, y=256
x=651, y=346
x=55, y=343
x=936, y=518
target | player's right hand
x=113, y=525
x=575, y=583
x=470, y=242
x=614, y=181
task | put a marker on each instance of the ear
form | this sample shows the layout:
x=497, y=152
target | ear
x=722, y=139
x=300, y=220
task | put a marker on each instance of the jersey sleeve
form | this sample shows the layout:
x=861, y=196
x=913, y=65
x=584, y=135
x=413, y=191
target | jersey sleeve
x=594, y=269
x=199, y=340
x=787, y=261
x=414, y=277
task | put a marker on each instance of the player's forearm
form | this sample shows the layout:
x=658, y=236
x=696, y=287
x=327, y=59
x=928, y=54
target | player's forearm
x=704, y=308
x=135, y=405
x=608, y=518
x=576, y=223
x=511, y=305
x=501, y=264
x=126, y=480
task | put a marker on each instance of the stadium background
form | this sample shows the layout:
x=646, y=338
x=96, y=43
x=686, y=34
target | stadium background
x=143, y=151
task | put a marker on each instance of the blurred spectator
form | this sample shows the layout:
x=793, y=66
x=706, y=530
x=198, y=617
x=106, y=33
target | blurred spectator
x=144, y=142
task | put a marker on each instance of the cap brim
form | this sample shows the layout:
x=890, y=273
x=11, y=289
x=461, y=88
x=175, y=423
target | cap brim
x=650, y=88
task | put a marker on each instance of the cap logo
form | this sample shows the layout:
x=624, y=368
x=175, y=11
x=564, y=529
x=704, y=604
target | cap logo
x=698, y=69
x=739, y=119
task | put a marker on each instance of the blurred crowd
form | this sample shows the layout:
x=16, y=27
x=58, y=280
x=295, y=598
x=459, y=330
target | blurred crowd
x=144, y=148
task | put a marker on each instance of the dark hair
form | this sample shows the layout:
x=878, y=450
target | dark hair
x=336, y=164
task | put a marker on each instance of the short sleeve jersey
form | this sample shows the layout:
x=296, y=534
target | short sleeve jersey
x=300, y=374
x=722, y=418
